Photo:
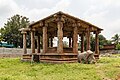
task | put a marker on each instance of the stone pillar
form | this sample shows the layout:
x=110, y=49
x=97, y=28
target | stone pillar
x=51, y=42
x=82, y=42
x=24, y=42
x=75, y=38
x=38, y=43
x=45, y=43
x=48, y=41
x=60, y=37
x=70, y=42
x=96, y=43
x=33, y=41
x=88, y=39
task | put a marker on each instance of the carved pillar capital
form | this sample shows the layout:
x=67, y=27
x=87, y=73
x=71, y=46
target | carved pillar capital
x=78, y=24
x=41, y=23
x=59, y=18
x=97, y=32
x=32, y=29
x=23, y=32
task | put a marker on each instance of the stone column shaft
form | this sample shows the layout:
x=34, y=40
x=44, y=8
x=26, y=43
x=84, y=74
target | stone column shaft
x=33, y=41
x=60, y=37
x=45, y=43
x=24, y=43
x=75, y=38
x=88, y=40
x=96, y=43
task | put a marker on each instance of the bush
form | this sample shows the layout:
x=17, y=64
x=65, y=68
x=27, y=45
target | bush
x=118, y=46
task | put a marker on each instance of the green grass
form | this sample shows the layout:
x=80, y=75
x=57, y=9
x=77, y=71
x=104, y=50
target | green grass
x=14, y=69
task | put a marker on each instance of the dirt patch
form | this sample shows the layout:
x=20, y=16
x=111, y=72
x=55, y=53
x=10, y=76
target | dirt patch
x=118, y=77
x=100, y=72
x=117, y=66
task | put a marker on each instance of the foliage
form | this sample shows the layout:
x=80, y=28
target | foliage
x=116, y=39
x=92, y=42
x=1, y=38
x=10, y=32
x=14, y=69
x=108, y=42
x=65, y=44
x=102, y=41
x=118, y=46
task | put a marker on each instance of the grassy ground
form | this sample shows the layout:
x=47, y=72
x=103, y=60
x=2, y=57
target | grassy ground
x=14, y=69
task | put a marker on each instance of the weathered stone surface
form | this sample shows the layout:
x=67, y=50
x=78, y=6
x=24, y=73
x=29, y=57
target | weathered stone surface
x=61, y=25
x=13, y=51
x=60, y=37
x=86, y=57
x=110, y=51
x=96, y=43
x=75, y=38
x=45, y=43
x=33, y=41
x=88, y=39
x=24, y=43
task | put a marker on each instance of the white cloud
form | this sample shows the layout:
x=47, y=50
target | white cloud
x=36, y=13
x=102, y=13
x=7, y=9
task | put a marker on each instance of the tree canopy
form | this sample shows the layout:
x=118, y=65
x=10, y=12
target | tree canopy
x=102, y=41
x=10, y=32
x=116, y=39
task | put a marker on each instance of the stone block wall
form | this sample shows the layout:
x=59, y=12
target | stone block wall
x=12, y=52
x=112, y=51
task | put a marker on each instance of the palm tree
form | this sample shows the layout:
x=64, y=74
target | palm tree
x=116, y=39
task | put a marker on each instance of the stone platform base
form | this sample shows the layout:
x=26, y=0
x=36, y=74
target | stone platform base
x=51, y=58
x=96, y=56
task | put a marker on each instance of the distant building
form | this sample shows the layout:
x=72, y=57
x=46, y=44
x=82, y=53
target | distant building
x=111, y=49
x=108, y=47
x=6, y=45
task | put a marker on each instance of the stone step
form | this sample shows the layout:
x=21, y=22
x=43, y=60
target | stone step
x=48, y=61
x=59, y=59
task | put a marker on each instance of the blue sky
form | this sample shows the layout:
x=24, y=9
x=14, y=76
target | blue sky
x=102, y=13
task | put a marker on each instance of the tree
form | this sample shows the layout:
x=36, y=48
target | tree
x=117, y=47
x=65, y=43
x=92, y=42
x=10, y=32
x=102, y=41
x=0, y=36
x=116, y=39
